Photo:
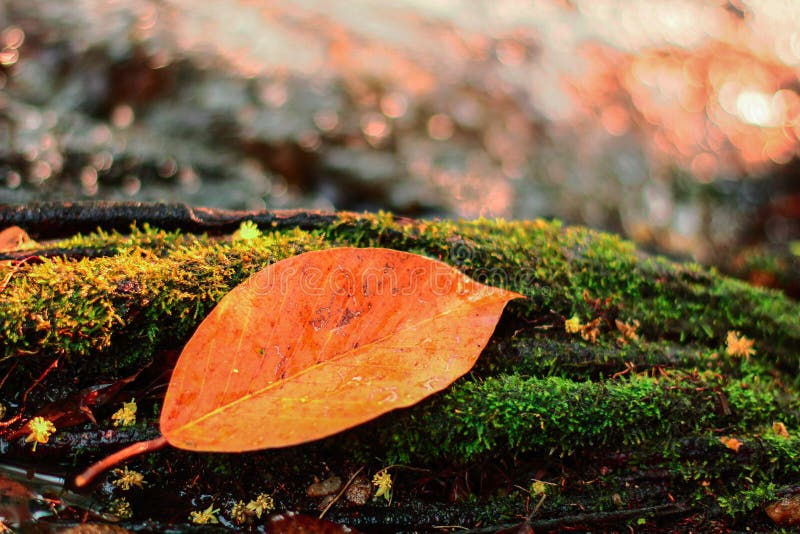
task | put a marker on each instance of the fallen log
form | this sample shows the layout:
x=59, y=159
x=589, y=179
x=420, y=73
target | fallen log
x=613, y=396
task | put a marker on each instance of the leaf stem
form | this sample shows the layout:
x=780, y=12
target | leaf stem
x=121, y=455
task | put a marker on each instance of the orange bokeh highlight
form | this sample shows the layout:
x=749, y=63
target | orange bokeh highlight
x=715, y=109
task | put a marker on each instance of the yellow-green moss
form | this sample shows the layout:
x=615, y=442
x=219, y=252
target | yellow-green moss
x=123, y=306
x=515, y=413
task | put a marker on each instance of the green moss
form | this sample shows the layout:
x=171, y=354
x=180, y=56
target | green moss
x=126, y=305
x=572, y=357
x=747, y=500
x=553, y=414
x=738, y=481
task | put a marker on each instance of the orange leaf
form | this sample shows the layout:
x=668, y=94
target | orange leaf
x=12, y=238
x=732, y=443
x=322, y=342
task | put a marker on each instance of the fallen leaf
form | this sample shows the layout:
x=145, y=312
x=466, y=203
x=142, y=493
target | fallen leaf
x=628, y=331
x=319, y=343
x=322, y=342
x=77, y=408
x=591, y=330
x=739, y=345
x=732, y=443
x=786, y=511
x=294, y=523
x=12, y=238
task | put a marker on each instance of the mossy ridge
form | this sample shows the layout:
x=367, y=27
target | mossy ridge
x=555, y=267
x=694, y=469
x=554, y=355
x=739, y=480
x=128, y=304
x=515, y=414
x=159, y=242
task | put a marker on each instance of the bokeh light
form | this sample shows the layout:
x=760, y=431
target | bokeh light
x=675, y=122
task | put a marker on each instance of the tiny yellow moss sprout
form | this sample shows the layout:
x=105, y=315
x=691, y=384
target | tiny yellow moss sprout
x=206, y=517
x=247, y=230
x=125, y=416
x=538, y=487
x=128, y=479
x=739, y=345
x=263, y=503
x=121, y=508
x=573, y=325
x=240, y=514
x=243, y=513
x=41, y=429
x=383, y=481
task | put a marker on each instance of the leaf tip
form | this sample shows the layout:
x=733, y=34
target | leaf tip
x=81, y=480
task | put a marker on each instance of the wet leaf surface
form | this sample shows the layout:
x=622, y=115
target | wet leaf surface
x=322, y=342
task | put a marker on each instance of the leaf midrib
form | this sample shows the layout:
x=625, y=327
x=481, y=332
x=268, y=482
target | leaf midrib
x=272, y=385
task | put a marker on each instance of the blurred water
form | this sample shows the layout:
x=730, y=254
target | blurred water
x=675, y=122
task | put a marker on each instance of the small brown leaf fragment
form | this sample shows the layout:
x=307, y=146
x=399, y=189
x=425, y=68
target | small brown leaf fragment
x=785, y=512
x=780, y=429
x=359, y=491
x=329, y=486
x=294, y=523
x=732, y=443
x=628, y=331
x=591, y=330
x=596, y=303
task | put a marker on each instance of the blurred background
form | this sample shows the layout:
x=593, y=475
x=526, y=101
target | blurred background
x=673, y=122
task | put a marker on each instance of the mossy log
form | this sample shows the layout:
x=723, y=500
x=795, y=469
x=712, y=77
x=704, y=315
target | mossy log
x=621, y=392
